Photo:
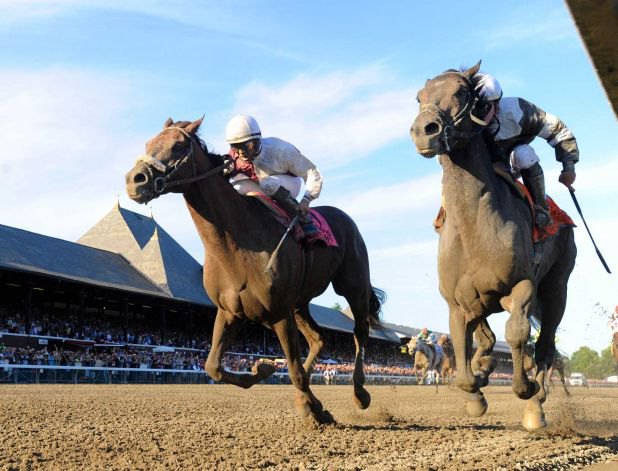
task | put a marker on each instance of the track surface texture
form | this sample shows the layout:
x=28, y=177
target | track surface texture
x=224, y=427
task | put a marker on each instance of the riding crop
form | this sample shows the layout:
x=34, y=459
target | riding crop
x=276, y=251
x=579, y=210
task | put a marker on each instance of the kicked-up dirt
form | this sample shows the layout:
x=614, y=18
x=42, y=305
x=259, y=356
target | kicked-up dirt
x=223, y=427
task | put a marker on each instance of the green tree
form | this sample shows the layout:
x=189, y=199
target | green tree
x=588, y=361
x=584, y=360
x=606, y=363
x=337, y=307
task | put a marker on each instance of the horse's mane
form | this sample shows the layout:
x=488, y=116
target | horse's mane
x=462, y=68
x=216, y=158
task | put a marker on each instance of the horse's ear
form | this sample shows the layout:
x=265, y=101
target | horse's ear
x=168, y=123
x=195, y=125
x=472, y=71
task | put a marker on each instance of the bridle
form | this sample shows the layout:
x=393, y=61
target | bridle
x=160, y=184
x=451, y=125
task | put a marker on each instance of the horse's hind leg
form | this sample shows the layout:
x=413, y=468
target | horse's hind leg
x=563, y=380
x=482, y=363
x=306, y=403
x=360, y=309
x=225, y=329
x=310, y=331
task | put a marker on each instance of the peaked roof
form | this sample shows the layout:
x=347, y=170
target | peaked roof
x=151, y=250
x=27, y=251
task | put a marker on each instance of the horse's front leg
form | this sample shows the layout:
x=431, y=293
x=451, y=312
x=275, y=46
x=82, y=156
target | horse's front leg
x=519, y=304
x=306, y=403
x=461, y=335
x=225, y=329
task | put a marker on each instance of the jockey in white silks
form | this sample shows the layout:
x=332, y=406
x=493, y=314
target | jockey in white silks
x=514, y=123
x=272, y=166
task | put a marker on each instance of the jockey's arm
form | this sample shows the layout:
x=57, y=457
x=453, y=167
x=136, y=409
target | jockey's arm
x=301, y=166
x=536, y=122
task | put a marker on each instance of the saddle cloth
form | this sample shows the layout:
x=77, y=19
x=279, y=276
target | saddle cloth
x=559, y=218
x=324, y=234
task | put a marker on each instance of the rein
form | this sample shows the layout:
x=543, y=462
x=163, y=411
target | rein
x=165, y=182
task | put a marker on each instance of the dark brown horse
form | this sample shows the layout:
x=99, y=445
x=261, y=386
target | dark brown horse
x=557, y=365
x=239, y=236
x=486, y=256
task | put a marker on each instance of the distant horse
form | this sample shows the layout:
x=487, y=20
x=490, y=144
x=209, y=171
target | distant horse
x=448, y=360
x=557, y=365
x=486, y=256
x=614, y=349
x=424, y=355
x=239, y=236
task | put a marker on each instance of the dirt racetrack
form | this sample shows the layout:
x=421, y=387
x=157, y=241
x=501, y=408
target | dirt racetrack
x=224, y=427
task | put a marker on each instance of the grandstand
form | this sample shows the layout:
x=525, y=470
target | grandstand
x=127, y=276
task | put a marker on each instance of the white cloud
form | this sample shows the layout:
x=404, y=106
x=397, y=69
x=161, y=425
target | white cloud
x=333, y=118
x=64, y=150
x=521, y=28
x=407, y=196
x=20, y=11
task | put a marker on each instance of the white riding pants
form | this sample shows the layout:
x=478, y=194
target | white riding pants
x=523, y=157
x=268, y=185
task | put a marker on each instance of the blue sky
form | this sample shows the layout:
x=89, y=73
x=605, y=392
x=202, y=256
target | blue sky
x=84, y=84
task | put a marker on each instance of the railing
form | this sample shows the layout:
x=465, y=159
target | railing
x=41, y=374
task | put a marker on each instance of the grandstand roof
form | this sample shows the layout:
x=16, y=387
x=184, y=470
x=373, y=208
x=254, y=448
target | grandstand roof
x=343, y=321
x=408, y=332
x=151, y=250
x=26, y=251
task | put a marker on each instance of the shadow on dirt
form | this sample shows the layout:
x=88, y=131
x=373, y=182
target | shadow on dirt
x=400, y=426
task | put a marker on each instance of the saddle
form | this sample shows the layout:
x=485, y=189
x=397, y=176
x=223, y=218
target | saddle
x=324, y=234
x=559, y=217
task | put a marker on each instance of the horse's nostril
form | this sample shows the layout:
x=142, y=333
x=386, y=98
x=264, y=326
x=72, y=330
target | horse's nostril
x=139, y=178
x=431, y=129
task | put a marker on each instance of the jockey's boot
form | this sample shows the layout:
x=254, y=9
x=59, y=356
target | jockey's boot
x=287, y=202
x=535, y=182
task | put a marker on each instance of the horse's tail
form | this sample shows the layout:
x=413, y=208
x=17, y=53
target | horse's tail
x=377, y=298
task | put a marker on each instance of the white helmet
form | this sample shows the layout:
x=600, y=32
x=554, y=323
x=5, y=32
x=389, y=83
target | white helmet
x=242, y=128
x=487, y=87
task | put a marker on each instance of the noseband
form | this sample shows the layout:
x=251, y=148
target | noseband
x=451, y=125
x=166, y=181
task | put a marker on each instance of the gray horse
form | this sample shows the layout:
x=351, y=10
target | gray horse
x=486, y=255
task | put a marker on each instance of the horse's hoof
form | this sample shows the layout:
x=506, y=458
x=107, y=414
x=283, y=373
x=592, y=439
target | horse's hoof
x=534, y=417
x=324, y=417
x=362, y=398
x=263, y=370
x=302, y=406
x=476, y=404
